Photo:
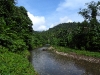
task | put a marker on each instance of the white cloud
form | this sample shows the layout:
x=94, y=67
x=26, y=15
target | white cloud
x=52, y=25
x=65, y=20
x=70, y=9
x=41, y=28
x=38, y=22
x=72, y=4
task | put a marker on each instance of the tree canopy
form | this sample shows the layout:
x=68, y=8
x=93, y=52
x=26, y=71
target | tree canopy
x=79, y=35
x=16, y=30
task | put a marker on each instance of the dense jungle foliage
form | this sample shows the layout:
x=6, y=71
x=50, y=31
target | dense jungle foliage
x=16, y=37
x=15, y=27
x=78, y=35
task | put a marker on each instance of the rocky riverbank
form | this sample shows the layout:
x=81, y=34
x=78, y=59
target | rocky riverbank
x=77, y=56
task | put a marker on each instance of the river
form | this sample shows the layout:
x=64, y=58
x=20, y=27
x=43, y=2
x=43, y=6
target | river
x=50, y=63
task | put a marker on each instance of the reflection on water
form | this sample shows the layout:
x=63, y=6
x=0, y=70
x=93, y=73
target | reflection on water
x=50, y=63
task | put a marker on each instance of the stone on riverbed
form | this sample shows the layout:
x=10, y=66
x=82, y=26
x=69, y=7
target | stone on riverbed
x=44, y=49
x=51, y=48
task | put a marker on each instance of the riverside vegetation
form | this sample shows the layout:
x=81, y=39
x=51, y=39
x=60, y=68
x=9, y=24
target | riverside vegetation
x=16, y=38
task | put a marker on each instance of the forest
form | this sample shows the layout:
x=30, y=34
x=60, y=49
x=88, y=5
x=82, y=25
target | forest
x=17, y=36
x=78, y=35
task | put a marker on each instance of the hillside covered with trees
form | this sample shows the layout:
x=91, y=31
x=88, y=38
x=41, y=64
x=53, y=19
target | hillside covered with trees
x=78, y=35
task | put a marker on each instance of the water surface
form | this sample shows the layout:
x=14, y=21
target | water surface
x=50, y=63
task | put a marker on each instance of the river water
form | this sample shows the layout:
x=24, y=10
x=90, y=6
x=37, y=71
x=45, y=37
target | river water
x=50, y=63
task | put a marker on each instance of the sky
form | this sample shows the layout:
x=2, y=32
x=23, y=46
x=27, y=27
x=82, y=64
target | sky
x=46, y=14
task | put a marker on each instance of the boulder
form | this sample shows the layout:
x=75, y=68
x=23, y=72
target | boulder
x=44, y=49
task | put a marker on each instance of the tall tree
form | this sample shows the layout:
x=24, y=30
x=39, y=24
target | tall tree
x=91, y=12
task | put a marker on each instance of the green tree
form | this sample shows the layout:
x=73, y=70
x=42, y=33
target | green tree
x=16, y=30
x=91, y=11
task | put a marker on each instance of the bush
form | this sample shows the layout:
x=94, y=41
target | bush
x=15, y=64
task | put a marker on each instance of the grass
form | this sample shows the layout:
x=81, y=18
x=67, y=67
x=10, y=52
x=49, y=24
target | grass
x=79, y=52
x=15, y=64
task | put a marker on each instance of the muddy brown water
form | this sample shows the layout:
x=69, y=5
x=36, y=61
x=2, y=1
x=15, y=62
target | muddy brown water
x=50, y=63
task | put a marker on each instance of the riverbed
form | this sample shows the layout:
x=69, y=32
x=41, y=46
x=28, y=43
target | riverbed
x=51, y=63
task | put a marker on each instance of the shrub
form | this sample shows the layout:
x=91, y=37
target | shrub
x=15, y=64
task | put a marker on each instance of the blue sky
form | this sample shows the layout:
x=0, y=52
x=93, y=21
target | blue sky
x=48, y=13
